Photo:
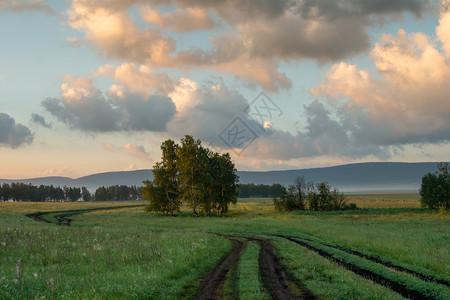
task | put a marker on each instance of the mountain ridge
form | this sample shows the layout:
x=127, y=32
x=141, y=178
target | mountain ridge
x=357, y=177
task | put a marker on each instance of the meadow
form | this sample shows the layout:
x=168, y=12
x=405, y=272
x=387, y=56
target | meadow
x=390, y=248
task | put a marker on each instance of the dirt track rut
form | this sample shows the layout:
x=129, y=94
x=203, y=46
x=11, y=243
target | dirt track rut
x=275, y=277
x=63, y=217
x=395, y=286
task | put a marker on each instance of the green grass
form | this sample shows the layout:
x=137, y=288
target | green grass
x=255, y=200
x=325, y=278
x=96, y=261
x=437, y=291
x=127, y=253
x=250, y=285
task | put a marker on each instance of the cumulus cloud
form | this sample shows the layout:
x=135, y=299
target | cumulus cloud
x=130, y=149
x=143, y=79
x=254, y=37
x=13, y=135
x=205, y=111
x=180, y=20
x=139, y=114
x=82, y=106
x=323, y=135
x=405, y=101
x=23, y=6
x=111, y=30
x=40, y=120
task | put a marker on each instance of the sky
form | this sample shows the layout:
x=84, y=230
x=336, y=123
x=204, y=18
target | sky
x=90, y=86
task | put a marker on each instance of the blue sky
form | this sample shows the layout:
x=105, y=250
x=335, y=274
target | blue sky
x=88, y=87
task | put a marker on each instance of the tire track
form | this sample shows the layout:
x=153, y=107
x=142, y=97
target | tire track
x=382, y=262
x=275, y=277
x=393, y=285
x=212, y=285
x=63, y=216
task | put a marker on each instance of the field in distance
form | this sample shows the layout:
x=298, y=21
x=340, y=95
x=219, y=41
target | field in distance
x=364, y=200
x=390, y=248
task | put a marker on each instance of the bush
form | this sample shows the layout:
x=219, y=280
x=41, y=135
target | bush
x=302, y=195
x=435, y=188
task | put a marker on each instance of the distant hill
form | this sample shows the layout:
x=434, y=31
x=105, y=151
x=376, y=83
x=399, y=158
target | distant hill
x=352, y=178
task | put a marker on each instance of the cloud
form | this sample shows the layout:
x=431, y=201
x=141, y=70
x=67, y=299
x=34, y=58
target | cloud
x=130, y=149
x=247, y=38
x=13, y=135
x=56, y=171
x=405, y=101
x=323, y=135
x=24, y=6
x=141, y=114
x=143, y=79
x=180, y=20
x=38, y=119
x=112, y=32
x=205, y=111
x=82, y=106
x=443, y=30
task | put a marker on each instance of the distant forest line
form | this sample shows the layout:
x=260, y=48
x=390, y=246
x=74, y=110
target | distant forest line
x=49, y=193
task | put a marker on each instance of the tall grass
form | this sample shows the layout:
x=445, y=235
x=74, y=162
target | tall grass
x=98, y=262
x=127, y=253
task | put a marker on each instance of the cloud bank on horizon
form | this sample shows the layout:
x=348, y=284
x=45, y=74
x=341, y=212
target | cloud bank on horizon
x=356, y=112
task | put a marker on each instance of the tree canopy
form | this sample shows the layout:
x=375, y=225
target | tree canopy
x=304, y=195
x=435, y=188
x=189, y=173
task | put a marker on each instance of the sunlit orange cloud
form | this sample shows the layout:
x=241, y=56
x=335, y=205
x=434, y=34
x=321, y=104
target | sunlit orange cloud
x=250, y=42
x=133, y=150
x=409, y=100
x=180, y=20
x=116, y=36
x=56, y=172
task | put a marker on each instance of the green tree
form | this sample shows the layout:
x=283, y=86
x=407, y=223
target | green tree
x=85, y=195
x=316, y=197
x=156, y=197
x=293, y=197
x=222, y=182
x=435, y=188
x=190, y=168
x=165, y=188
x=204, y=180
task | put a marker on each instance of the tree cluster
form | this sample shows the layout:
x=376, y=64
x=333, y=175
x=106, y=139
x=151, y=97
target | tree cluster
x=42, y=193
x=304, y=195
x=189, y=173
x=435, y=188
x=118, y=193
x=251, y=190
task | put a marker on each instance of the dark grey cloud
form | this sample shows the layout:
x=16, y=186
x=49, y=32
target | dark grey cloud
x=332, y=10
x=209, y=111
x=25, y=6
x=13, y=135
x=137, y=114
x=255, y=38
x=82, y=106
x=38, y=119
x=323, y=135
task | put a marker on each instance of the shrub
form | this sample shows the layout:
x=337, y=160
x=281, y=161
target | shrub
x=435, y=188
x=304, y=195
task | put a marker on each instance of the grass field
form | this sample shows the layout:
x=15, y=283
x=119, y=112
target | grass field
x=127, y=253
